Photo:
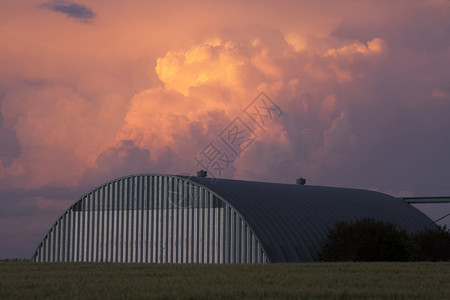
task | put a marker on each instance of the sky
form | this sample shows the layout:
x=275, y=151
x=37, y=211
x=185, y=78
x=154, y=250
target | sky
x=343, y=93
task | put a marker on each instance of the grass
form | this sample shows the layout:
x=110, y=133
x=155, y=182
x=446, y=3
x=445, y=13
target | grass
x=416, y=280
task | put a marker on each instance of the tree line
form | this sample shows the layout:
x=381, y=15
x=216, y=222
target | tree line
x=373, y=240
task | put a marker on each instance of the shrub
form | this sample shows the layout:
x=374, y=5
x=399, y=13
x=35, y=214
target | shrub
x=367, y=240
x=433, y=244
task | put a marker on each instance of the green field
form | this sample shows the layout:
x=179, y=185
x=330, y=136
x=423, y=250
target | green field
x=421, y=280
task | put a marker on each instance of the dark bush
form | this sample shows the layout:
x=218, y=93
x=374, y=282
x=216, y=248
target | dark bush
x=433, y=244
x=367, y=240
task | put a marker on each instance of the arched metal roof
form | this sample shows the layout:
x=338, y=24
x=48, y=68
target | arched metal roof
x=292, y=221
x=289, y=222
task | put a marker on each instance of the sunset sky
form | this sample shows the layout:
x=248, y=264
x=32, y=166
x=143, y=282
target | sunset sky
x=94, y=90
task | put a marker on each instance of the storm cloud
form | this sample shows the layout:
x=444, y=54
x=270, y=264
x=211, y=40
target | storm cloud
x=73, y=10
x=364, y=90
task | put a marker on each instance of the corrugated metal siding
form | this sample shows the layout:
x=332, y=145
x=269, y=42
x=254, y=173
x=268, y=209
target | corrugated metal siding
x=151, y=218
x=292, y=221
x=161, y=218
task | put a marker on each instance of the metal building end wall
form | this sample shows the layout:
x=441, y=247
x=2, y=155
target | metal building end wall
x=151, y=218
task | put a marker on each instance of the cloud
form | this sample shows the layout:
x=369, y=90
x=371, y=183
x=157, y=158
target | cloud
x=204, y=64
x=10, y=145
x=116, y=161
x=73, y=10
x=27, y=214
x=22, y=202
x=419, y=28
x=374, y=46
x=60, y=132
x=439, y=94
x=364, y=92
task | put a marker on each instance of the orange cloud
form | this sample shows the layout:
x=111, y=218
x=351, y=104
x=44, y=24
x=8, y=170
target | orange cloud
x=174, y=80
x=375, y=46
x=207, y=63
x=144, y=86
x=60, y=132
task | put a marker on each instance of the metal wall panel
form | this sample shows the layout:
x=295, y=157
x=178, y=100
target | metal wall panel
x=151, y=218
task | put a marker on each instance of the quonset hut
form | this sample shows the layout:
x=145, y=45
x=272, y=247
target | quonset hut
x=179, y=219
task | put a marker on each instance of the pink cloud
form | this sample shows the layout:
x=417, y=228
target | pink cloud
x=146, y=87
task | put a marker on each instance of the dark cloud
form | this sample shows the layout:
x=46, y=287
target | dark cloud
x=365, y=107
x=420, y=30
x=73, y=10
x=124, y=159
x=31, y=212
x=10, y=148
x=29, y=202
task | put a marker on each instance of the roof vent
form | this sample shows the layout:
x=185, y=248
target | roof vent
x=301, y=181
x=202, y=173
